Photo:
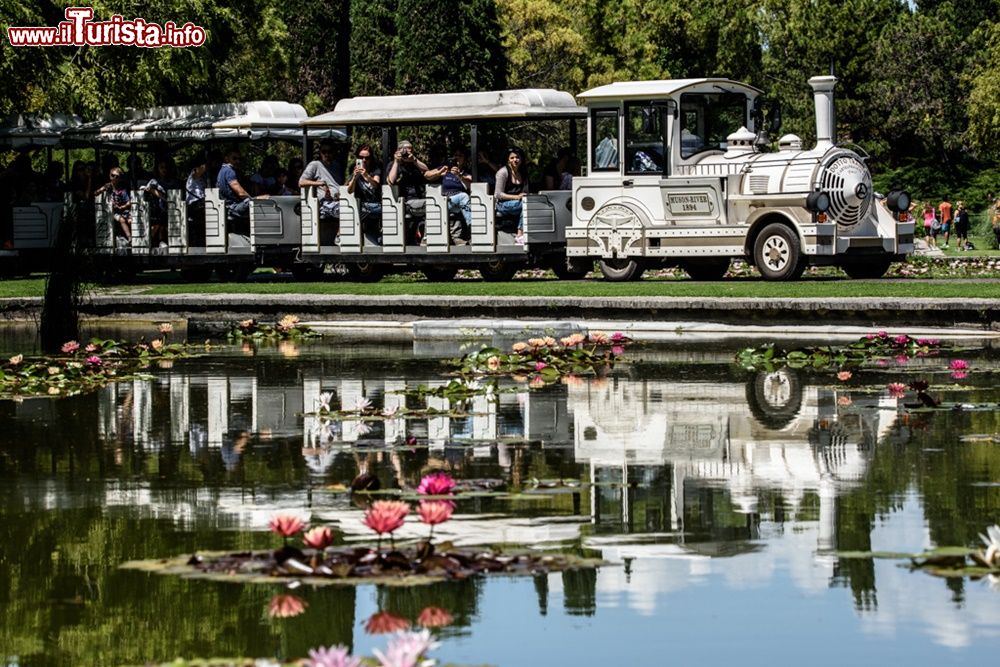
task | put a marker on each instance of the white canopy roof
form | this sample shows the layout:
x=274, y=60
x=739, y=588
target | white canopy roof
x=538, y=103
x=651, y=90
x=201, y=122
x=26, y=130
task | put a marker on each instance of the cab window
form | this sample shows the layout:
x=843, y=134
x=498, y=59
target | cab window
x=644, y=128
x=604, y=139
x=708, y=118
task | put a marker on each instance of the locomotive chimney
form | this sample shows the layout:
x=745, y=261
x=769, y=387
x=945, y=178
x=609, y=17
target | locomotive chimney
x=825, y=123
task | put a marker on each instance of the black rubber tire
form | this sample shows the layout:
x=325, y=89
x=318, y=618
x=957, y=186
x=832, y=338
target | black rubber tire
x=778, y=254
x=775, y=398
x=621, y=270
x=365, y=273
x=572, y=268
x=196, y=274
x=710, y=268
x=868, y=270
x=499, y=271
x=439, y=274
x=306, y=272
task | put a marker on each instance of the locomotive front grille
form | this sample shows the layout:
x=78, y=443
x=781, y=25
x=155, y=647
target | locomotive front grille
x=849, y=185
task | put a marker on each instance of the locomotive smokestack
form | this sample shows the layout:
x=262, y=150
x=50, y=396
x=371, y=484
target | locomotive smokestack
x=823, y=94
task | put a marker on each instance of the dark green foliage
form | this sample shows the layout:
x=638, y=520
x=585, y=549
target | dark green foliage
x=373, y=39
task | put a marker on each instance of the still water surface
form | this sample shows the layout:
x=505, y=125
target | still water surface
x=718, y=497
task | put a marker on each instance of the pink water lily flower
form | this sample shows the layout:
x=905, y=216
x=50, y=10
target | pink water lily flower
x=94, y=360
x=536, y=382
x=901, y=340
x=598, y=338
x=434, y=512
x=959, y=375
x=883, y=334
x=319, y=537
x=286, y=525
x=617, y=337
x=958, y=364
x=333, y=656
x=166, y=328
x=90, y=348
x=436, y=484
x=493, y=363
x=844, y=376
x=539, y=365
x=70, y=347
x=16, y=359
x=407, y=649
x=617, y=350
x=385, y=516
x=384, y=622
x=519, y=347
x=434, y=617
x=897, y=389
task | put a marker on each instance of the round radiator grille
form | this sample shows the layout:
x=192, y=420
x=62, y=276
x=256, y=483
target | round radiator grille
x=849, y=184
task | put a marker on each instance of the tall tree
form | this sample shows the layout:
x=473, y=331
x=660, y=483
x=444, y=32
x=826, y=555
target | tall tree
x=373, y=44
x=543, y=46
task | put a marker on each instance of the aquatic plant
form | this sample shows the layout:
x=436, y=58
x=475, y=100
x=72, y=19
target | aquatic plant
x=286, y=525
x=386, y=516
x=408, y=649
x=992, y=542
x=286, y=328
x=436, y=484
x=543, y=360
x=896, y=389
x=332, y=656
x=77, y=369
x=434, y=512
x=319, y=537
x=958, y=365
x=875, y=348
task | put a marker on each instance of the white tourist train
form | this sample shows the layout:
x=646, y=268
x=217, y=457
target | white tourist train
x=678, y=173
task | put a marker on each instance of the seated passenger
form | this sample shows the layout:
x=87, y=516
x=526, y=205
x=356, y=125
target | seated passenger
x=407, y=171
x=194, y=196
x=572, y=170
x=455, y=183
x=556, y=168
x=52, y=185
x=323, y=174
x=366, y=185
x=512, y=186
x=263, y=182
x=121, y=203
x=156, y=193
x=295, y=167
x=281, y=183
x=235, y=197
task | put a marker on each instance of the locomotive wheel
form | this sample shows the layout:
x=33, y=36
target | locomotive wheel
x=365, y=272
x=499, y=271
x=713, y=268
x=775, y=398
x=777, y=253
x=572, y=268
x=869, y=270
x=439, y=274
x=621, y=270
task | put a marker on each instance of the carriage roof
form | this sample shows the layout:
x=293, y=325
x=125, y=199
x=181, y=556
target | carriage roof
x=533, y=103
x=34, y=130
x=649, y=90
x=201, y=122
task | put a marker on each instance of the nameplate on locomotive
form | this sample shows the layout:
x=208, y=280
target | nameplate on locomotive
x=689, y=203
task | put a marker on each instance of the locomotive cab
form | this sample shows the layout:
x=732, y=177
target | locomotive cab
x=675, y=178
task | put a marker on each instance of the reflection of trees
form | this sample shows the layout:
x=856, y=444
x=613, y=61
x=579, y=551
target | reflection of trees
x=65, y=598
x=580, y=591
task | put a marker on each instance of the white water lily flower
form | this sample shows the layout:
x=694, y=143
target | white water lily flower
x=390, y=412
x=362, y=404
x=992, y=541
x=408, y=649
x=473, y=385
x=363, y=429
x=324, y=401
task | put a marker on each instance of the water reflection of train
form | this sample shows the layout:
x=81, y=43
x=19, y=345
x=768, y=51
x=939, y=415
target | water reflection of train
x=770, y=432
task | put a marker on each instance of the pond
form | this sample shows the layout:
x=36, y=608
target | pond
x=720, y=499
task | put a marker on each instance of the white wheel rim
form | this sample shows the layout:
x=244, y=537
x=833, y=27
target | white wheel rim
x=776, y=252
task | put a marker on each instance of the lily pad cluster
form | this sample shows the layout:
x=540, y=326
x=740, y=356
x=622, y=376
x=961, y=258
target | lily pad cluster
x=85, y=367
x=288, y=327
x=949, y=561
x=869, y=348
x=541, y=361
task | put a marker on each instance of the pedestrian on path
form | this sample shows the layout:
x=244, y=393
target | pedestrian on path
x=931, y=225
x=944, y=208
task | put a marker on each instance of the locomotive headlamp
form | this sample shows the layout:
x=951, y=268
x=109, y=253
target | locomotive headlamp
x=898, y=201
x=818, y=202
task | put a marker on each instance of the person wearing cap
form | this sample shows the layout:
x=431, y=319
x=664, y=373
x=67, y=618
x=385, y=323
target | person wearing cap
x=961, y=226
x=407, y=172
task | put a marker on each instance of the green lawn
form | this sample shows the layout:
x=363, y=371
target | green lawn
x=22, y=287
x=942, y=289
